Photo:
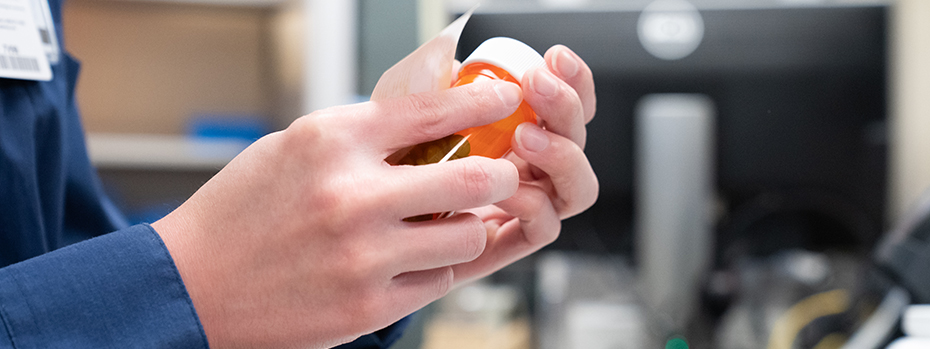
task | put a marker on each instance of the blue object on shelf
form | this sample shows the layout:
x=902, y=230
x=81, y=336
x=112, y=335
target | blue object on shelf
x=246, y=127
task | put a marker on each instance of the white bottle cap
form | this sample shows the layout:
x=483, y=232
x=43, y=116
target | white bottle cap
x=910, y=343
x=916, y=320
x=509, y=54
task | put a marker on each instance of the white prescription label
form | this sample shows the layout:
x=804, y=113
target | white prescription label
x=22, y=55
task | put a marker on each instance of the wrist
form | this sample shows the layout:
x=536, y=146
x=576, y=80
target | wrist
x=178, y=234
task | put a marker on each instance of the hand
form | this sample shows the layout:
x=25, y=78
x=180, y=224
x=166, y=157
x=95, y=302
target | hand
x=300, y=242
x=556, y=180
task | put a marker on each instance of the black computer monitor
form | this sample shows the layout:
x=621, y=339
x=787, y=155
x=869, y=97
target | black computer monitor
x=800, y=94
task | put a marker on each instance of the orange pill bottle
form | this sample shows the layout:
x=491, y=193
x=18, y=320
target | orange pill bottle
x=495, y=59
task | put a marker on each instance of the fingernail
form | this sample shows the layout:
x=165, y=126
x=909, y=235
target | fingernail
x=531, y=137
x=544, y=83
x=566, y=64
x=509, y=93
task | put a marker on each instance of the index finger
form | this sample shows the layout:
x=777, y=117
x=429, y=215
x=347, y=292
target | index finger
x=569, y=67
x=400, y=122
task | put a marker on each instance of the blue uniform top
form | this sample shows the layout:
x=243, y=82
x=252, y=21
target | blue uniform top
x=64, y=282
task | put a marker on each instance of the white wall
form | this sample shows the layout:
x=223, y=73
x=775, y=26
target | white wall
x=314, y=45
x=909, y=105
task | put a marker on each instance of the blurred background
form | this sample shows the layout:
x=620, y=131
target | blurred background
x=762, y=162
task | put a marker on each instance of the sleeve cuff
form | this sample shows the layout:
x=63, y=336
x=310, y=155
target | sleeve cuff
x=381, y=339
x=119, y=290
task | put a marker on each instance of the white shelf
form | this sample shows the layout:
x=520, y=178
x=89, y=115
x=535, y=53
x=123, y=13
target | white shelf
x=240, y=3
x=161, y=152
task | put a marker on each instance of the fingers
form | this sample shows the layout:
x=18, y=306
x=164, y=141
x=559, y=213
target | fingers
x=537, y=225
x=438, y=243
x=573, y=70
x=556, y=103
x=422, y=117
x=394, y=298
x=565, y=164
x=563, y=95
x=412, y=290
x=451, y=186
x=539, y=222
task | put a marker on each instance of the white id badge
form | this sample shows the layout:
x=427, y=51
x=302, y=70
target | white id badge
x=42, y=16
x=22, y=55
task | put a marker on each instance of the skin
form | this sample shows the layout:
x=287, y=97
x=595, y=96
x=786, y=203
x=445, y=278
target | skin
x=300, y=240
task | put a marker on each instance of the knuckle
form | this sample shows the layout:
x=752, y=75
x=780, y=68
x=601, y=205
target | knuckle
x=306, y=126
x=327, y=129
x=332, y=204
x=551, y=234
x=475, y=238
x=476, y=180
x=357, y=267
x=591, y=108
x=444, y=280
x=367, y=307
x=564, y=155
x=340, y=202
x=584, y=194
x=427, y=113
x=587, y=74
x=581, y=137
x=546, y=235
x=539, y=208
x=311, y=131
x=593, y=193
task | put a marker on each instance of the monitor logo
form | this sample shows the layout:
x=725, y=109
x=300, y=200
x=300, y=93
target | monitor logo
x=670, y=29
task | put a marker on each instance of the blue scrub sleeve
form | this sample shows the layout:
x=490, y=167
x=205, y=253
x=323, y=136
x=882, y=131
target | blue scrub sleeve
x=119, y=290
x=383, y=338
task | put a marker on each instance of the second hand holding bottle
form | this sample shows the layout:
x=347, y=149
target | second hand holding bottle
x=495, y=59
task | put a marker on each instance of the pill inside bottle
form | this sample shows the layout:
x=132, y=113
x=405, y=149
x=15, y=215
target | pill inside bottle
x=495, y=59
